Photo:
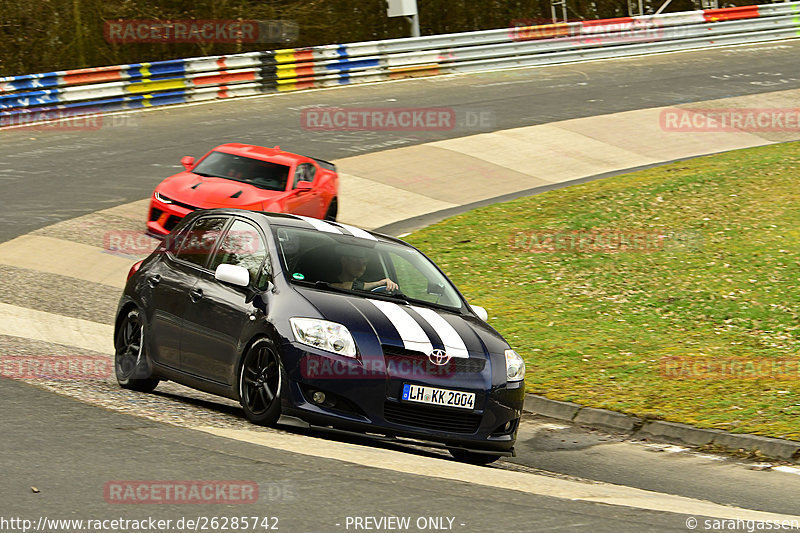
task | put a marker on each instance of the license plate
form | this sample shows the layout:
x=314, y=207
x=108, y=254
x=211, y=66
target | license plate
x=434, y=396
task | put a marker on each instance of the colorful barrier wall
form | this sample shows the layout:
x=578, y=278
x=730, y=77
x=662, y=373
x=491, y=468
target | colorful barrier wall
x=35, y=97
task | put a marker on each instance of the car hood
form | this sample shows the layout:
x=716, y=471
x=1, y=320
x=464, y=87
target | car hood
x=208, y=193
x=407, y=327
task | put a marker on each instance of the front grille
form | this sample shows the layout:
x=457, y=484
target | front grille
x=155, y=214
x=185, y=206
x=456, y=365
x=431, y=418
x=171, y=222
x=389, y=349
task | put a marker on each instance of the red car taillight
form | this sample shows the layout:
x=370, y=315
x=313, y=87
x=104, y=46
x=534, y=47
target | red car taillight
x=134, y=269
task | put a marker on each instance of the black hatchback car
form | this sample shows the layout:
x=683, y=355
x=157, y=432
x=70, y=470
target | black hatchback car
x=322, y=321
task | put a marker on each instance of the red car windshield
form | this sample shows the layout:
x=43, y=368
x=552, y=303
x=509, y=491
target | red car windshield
x=261, y=174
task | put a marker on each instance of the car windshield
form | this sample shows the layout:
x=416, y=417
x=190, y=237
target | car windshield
x=338, y=262
x=261, y=174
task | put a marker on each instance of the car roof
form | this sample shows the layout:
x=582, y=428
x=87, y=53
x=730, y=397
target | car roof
x=273, y=155
x=302, y=222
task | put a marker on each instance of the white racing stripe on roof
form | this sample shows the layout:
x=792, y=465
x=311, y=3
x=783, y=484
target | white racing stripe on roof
x=414, y=337
x=453, y=343
x=358, y=232
x=320, y=225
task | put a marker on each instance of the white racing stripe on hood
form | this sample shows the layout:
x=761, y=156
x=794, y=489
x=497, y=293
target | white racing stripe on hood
x=453, y=343
x=321, y=225
x=358, y=232
x=414, y=337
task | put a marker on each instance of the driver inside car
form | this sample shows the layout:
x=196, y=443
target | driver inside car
x=353, y=261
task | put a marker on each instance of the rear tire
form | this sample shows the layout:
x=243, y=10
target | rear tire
x=333, y=210
x=130, y=361
x=260, y=380
x=473, y=458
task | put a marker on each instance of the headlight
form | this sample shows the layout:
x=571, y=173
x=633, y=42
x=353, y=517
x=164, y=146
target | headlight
x=161, y=198
x=515, y=366
x=324, y=335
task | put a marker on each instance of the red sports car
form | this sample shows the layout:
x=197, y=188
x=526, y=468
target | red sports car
x=246, y=177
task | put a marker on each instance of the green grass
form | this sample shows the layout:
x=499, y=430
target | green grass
x=595, y=327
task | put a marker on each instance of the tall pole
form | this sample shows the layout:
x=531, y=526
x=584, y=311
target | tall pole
x=406, y=9
x=81, y=49
x=414, y=20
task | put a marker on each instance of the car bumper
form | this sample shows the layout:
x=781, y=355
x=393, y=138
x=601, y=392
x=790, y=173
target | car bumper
x=371, y=402
x=162, y=217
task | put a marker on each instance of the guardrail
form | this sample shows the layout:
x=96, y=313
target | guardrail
x=36, y=97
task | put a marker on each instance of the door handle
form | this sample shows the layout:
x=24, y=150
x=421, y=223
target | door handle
x=196, y=295
x=154, y=280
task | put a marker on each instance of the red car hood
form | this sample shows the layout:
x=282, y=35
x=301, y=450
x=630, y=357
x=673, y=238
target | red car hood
x=208, y=193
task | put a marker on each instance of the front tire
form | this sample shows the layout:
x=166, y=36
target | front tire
x=130, y=361
x=333, y=210
x=260, y=381
x=473, y=458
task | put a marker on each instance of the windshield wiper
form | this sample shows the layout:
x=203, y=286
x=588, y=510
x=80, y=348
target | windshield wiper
x=324, y=285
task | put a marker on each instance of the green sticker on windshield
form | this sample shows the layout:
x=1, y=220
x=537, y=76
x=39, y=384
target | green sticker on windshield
x=298, y=275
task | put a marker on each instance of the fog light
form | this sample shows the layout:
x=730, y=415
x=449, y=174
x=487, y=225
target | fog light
x=507, y=427
x=318, y=397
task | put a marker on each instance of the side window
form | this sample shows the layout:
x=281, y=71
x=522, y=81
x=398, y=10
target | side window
x=243, y=246
x=172, y=242
x=198, y=243
x=310, y=172
x=303, y=172
x=412, y=282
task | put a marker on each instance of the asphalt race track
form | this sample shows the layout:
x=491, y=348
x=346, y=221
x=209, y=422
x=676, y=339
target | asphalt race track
x=564, y=479
x=47, y=176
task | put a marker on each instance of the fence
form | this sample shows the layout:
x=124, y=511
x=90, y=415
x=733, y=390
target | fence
x=35, y=97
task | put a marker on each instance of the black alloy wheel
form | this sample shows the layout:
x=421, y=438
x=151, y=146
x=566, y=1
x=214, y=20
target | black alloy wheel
x=260, y=382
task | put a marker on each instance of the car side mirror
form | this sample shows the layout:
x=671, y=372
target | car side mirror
x=187, y=161
x=303, y=186
x=435, y=288
x=233, y=274
x=480, y=311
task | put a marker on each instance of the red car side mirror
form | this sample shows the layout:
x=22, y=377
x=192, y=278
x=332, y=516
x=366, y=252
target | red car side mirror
x=187, y=161
x=303, y=186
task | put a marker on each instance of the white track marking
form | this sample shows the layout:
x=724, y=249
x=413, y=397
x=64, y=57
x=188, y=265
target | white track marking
x=67, y=258
x=787, y=470
x=48, y=327
x=399, y=461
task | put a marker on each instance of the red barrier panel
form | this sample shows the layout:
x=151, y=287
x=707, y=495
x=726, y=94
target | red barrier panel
x=731, y=13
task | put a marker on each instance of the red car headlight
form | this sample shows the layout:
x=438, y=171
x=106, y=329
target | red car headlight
x=161, y=198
